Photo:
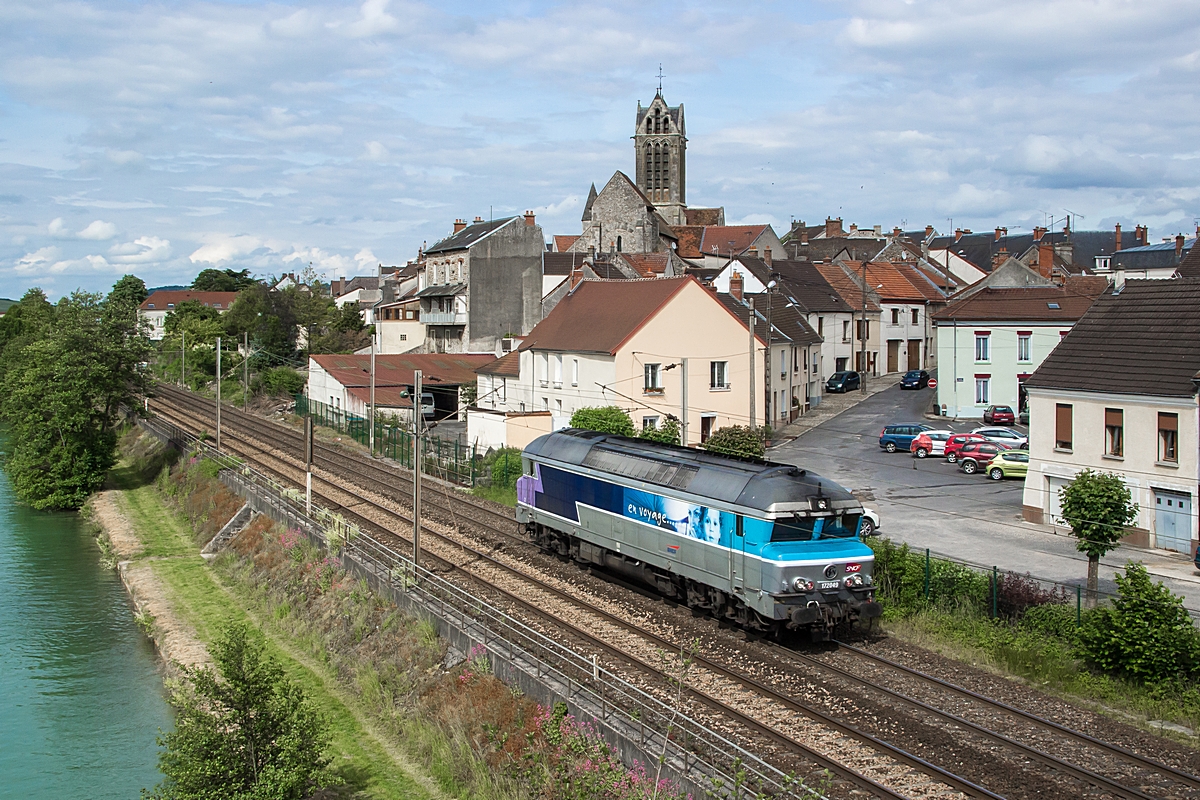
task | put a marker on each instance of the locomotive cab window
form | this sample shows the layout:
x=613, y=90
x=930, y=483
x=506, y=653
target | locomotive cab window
x=843, y=526
x=796, y=529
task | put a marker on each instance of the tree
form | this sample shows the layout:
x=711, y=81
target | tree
x=1097, y=506
x=737, y=440
x=67, y=371
x=667, y=433
x=215, y=280
x=605, y=419
x=268, y=318
x=192, y=327
x=127, y=294
x=244, y=731
x=1146, y=634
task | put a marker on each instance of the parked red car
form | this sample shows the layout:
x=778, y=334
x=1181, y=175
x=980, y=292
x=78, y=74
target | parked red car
x=955, y=443
x=975, y=456
x=999, y=415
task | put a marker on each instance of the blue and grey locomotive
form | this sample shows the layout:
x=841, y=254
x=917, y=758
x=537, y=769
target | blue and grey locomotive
x=769, y=546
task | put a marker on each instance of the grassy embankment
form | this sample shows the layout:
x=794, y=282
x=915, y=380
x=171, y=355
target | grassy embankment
x=367, y=762
x=377, y=674
x=1035, y=639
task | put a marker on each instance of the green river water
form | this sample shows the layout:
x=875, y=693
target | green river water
x=80, y=695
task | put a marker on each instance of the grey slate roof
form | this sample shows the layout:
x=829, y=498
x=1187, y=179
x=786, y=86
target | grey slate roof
x=1151, y=256
x=562, y=263
x=468, y=235
x=1140, y=340
x=445, y=290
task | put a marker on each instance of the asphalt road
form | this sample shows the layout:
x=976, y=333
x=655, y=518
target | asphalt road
x=930, y=503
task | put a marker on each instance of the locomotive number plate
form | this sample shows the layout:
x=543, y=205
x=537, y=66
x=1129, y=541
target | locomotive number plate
x=829, y=584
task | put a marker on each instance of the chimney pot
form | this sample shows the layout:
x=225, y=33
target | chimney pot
x=529, y=218
x=478, y=220
x=459, y=224
x=1117, y=242
x=767, y=255
x=736, y=284
x=1179, y=241
x=754, y=251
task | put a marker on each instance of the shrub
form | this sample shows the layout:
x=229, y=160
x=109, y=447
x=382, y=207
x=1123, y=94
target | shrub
x=1017, y=594
x=605, y=419
x=737, y=440
x=503, y=466
x=282, y=381
x=1146, y=634
x=669, y=432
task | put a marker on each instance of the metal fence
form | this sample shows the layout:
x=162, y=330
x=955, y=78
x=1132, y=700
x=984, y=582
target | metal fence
x=448, y=459
x=691, y=752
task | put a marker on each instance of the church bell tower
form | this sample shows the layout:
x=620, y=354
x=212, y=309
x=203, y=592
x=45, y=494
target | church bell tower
x=660, y=147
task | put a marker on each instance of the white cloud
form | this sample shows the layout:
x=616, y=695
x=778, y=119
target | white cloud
x=58, y=229
x=375, y=152
x=142, y=250
x=223, y=249
x=98, y=230
x=35, y=262
x=87, y=265
x=366, y=260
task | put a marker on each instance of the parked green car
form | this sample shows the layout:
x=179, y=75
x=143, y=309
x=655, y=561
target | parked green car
x=1009, y=464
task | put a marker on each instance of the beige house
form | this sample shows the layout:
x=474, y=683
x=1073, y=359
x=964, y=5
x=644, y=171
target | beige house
x=628, y=343
x=154, y=309
x=1119, y=394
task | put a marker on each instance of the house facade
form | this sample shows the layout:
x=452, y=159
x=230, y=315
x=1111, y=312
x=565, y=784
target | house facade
x=1119, y=394
x=154, y=309
x=991, y=341
x=481, y=284
x=625, y=343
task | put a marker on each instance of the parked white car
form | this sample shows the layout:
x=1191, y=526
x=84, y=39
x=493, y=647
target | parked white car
x=1004, y=436
x=930, y=443
x=870, y=522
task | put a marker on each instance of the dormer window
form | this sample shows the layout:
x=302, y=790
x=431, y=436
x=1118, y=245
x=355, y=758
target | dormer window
x=1052, y=306
x=216, y=305
x=170, y=305
x=149, y=305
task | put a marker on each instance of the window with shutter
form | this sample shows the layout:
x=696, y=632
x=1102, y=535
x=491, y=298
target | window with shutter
x=1168, y=438
x=1114, y=432
x=1062, y=426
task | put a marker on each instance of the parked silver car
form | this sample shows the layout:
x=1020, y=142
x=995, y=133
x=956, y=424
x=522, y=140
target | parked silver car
x=1006, y=436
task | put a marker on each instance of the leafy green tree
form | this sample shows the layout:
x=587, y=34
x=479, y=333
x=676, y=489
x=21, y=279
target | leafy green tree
x=606, y=419
x=1097, y=506
x=66, y=375
x=24, y=323
x=216, y=280
x=127, y=294
x=340, y=329
x=244, y=731
x=737, y=440
x=281, y=381
x=268, y=318
x=1146, y=634
x=667, y=433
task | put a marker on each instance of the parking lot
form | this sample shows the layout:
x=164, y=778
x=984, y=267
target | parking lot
x=931, y=503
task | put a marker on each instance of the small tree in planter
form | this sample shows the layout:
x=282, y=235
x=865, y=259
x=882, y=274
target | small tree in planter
x=1098, y=507
x=737, y=440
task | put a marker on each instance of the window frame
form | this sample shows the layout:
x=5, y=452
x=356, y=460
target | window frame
x=1024, y=347
x=983, y=347
x=916, y=316
x=1114, y=433
x=652, y=379
x=983, y=390
x=895, y=316
x=1168, y=438
x=718, y=376
x=1064, y=411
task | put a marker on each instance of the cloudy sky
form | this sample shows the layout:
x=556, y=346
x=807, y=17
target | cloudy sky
x=164, y=138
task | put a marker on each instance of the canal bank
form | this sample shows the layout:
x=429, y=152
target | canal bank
x=82, y=694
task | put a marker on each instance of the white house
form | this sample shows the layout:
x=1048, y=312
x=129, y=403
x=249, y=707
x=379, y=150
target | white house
x=991, y=340
x=1119, y=394
x=154, y=309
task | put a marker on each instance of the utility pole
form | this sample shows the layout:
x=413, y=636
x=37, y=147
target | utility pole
x=418, y=419
x=865, y=330
x=183, y=360
x=683, y=363
x=308, y=461
x=753, y=366
x=371, y=421
x=770, y=418
x=245, y=371
x=218, y=393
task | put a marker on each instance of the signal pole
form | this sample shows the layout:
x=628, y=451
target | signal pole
x=683, y=363
x=218, y=394
x=418, y=419
x=371, y=421
x=308, y=460
x=246, y=371
x=183, y=360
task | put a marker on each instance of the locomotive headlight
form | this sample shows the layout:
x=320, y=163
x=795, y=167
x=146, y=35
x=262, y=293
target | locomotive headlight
x=801, y=585
x=854, y=581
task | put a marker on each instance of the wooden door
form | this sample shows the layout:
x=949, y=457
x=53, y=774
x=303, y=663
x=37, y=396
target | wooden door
x=893, y=362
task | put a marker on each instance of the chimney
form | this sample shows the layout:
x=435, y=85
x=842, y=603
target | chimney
x=1117, y=245
x=833, y=228
x=767, y=255
x=1038, y=233
x=576, y=276
x=1139, y=235
x=1118, y=280
x=853, y=227
x=878, y=230
x=897, y=233
x=592, y=253
x=1001, y=233
x=1045, y=259
x=928, y=231
x=529, y=218
x=459, y=224
x=477, y=220
x=754, y=251
x=735, y=284
x=958, y=232
x=1000, y=257
x=804, y=238
x=1179, y=240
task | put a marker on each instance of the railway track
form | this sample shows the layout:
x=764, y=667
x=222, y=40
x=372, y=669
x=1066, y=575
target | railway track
x=1124, y=773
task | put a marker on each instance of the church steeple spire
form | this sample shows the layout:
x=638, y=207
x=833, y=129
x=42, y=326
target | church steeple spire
x=660, y=149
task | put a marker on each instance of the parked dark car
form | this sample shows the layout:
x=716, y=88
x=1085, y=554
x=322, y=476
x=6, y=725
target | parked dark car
x=999, y=415
x=973, y=456
x=842, y=382
x=956, y=442
x=900, y=437
x=915, y=379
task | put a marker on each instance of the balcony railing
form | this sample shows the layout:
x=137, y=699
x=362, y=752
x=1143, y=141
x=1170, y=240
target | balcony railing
x=443, y=318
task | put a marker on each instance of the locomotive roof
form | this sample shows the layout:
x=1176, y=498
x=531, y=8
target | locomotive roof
x=753, y=483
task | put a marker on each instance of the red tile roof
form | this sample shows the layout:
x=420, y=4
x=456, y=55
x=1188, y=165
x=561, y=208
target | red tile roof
x=688, y=239
x=702, y=216
x=891, y=283
x=1026, y=304
x=164, y=300
x=721, y=236
x=847, y=289
x=648, y=265
x=386, y=396
x=563, y=243
x=442, y=369
x=506, y=366
x=598, y=316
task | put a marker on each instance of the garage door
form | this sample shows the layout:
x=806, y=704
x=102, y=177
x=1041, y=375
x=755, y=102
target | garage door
x=1055, y=501
x=1173, y=521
